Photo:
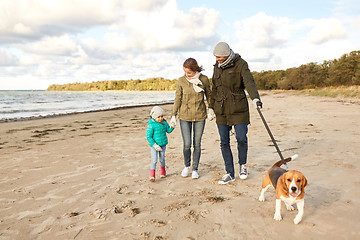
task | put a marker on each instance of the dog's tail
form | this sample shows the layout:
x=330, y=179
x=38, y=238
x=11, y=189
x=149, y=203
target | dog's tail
x=279, y=163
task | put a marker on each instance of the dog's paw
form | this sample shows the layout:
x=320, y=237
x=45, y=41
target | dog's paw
x=297, y=219
x=277, y=217
x=262, y=198
x=290, y=208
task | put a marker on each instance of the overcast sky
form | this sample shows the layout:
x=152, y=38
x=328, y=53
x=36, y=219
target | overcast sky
x=45, y=42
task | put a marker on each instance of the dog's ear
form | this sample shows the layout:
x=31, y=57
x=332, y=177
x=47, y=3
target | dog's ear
x=304, y=181
x=282, y=183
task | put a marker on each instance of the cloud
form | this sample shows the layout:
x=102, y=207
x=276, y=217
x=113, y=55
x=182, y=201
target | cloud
x=143, y=6
x=260, y=36
x=263, y=30
x=64, y=45
x=62, y=41
x=29, y=20
x=356, y=22
x=81, y=40
x=132, y=25
x=169, y=28
x=269, y=42
x=345, y=8
x=7, y=59
x=117, y=42
x=149, y=25
x=326, y=29
x=95, y=52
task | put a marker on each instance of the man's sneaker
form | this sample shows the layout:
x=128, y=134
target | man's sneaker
x=226, y=179
x=243, y=172
x=185, y=172
x=195, y=175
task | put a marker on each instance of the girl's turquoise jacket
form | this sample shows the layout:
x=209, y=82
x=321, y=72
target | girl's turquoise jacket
x=156, y=132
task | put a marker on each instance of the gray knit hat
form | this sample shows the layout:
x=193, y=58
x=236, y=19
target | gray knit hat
x=222, y=49
x=156, y=112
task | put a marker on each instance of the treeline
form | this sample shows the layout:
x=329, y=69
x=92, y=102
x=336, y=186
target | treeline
x=344, y=71
x=151, y=84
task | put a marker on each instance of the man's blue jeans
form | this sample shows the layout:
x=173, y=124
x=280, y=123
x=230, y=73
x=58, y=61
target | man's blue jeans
x=154, y=157
x=242, y=145
x=187, y=128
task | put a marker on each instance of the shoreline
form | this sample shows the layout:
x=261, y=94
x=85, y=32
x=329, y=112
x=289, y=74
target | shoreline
x=348, y=100
x=76, y=113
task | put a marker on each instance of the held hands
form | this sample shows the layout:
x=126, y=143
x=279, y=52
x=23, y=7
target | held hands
x=257, y=103
x=157, y=147
x=211, y=114
x=172, y=122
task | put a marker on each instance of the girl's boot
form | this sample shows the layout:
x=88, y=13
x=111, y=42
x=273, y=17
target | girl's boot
x=152, y=175
x=162, y=172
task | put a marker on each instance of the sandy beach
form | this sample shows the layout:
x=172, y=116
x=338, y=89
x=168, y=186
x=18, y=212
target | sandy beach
x=86, y=176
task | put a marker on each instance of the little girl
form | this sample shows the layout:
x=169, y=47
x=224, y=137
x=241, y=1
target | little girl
x=157, y=138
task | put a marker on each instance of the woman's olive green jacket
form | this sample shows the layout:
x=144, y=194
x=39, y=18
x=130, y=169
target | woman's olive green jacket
x=190, y=105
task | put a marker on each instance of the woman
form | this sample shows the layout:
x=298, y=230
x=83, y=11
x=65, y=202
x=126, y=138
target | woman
x=191, y=110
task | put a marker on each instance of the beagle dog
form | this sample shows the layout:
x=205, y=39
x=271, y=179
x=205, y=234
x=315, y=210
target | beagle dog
x=289, y=187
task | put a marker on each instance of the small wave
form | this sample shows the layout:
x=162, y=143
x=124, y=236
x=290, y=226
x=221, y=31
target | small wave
x=20, y=111
x=42, y=103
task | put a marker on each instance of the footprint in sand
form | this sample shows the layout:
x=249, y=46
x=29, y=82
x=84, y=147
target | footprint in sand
x=176, y=206
x=121, y=189
x=157, y=222
x=193, y=215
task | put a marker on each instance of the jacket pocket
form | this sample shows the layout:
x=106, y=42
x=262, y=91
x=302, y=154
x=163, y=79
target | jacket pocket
x=219, y=105
x=239, y=103
x=233, y=80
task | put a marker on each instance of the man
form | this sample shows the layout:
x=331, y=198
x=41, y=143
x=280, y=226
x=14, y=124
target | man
x=229, y=102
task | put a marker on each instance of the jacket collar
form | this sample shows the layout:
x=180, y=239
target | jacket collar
x=155, y=122
x=231, y=64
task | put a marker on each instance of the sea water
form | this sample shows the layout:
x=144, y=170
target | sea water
x=25, y=104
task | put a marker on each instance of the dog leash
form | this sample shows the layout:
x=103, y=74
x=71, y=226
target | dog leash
x=272, y=137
